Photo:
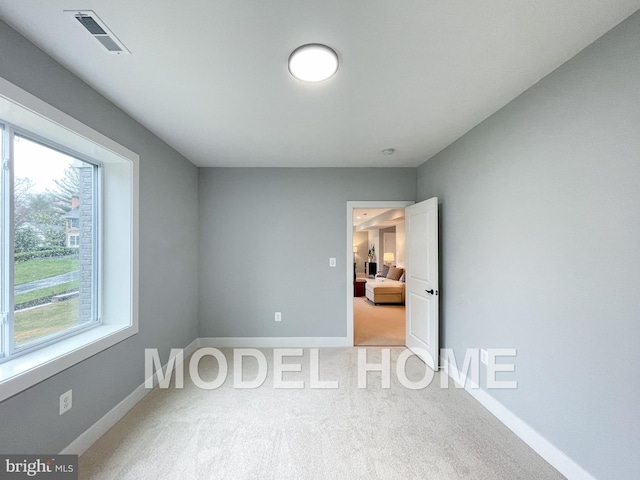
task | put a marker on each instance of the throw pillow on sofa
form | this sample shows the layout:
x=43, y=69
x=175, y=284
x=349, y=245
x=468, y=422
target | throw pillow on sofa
x=385, y=271
x=395, y=273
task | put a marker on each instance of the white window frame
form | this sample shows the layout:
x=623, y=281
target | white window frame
x=118, y=252
x=76, y=240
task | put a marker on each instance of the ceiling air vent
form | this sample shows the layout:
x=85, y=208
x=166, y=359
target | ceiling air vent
x=96, y=27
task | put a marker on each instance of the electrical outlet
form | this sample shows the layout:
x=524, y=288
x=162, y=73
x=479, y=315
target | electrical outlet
x=278, y=316
x=484, y=356
x=65, y=402
x=332, y=262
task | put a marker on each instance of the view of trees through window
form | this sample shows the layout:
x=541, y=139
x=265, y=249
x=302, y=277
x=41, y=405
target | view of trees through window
x=53, y=235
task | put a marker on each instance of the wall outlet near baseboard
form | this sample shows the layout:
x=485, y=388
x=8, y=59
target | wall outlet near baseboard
x=278, y=316
x=66, y=402
x=484, y=356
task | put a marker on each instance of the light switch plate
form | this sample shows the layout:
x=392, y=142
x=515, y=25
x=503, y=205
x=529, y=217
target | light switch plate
x=332, y=262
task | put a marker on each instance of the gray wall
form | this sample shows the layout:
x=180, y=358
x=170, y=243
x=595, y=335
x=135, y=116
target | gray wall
x=29, y=421
x=540, y=233
x=266, y=236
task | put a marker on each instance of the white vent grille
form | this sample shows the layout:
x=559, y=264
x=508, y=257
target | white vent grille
x=98, y=30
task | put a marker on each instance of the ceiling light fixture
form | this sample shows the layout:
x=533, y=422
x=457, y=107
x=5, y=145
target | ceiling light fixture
x=313, y=62
x=389, y=151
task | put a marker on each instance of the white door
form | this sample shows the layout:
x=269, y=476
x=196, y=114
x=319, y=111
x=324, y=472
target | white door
x=422, y=280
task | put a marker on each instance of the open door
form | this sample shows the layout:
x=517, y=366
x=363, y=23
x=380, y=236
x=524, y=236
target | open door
x=421, y=297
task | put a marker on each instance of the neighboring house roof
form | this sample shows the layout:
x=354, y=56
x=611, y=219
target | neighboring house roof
x=73, y=213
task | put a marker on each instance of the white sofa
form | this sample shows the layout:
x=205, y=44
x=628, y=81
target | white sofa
x=386, y=290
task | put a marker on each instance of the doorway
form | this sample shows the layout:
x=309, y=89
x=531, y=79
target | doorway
x=375, y=316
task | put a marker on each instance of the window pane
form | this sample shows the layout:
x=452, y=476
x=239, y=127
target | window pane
x=53, y=242
x=3, y=296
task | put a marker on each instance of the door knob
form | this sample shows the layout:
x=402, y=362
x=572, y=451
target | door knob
x=429, y=291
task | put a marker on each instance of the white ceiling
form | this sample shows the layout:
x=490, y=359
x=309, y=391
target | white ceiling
x=211, y=79
x=361, y=215
x=377, y=218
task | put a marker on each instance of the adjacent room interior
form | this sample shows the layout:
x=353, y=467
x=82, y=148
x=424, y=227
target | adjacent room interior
x=378, y=304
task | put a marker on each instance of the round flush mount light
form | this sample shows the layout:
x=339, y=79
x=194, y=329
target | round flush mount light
x=313, y=62
x=389, y=151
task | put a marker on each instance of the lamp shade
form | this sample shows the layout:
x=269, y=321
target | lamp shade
x=355, y=249
x=389, y=257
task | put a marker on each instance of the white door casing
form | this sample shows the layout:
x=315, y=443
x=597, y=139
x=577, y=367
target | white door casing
x=422, y=312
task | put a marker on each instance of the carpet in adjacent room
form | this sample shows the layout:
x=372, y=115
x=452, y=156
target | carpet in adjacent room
x=382, y=325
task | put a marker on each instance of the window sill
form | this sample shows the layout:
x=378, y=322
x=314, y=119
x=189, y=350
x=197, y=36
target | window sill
x=29, y=369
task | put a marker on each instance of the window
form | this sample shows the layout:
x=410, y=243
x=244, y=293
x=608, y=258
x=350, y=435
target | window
x=50, y=290
x=74, y=241
x=68, y=241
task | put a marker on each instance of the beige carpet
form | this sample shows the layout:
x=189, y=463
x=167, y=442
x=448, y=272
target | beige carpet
x=346, y=433
x=378, y=324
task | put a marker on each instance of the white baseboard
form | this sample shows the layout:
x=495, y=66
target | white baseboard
x=547, y=450
x=274, y=342
x=90, y=436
